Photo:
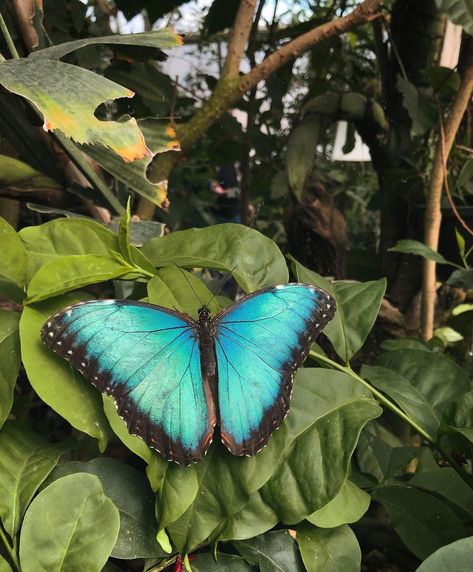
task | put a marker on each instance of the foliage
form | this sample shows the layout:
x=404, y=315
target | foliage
x=307, y=479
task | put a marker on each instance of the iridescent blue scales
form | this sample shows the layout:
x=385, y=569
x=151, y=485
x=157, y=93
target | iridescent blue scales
x=175, y=379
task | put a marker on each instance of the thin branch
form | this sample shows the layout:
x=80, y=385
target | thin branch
x=239, y=38
x=433, y=213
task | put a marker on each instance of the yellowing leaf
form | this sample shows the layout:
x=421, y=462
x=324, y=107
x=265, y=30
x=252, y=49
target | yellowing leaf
x=68, y=96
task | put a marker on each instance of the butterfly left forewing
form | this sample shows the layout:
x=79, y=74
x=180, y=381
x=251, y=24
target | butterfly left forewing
x=260, y=342
x=146, y=358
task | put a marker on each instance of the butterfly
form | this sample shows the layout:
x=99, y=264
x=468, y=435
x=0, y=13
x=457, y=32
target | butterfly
x=174, y=379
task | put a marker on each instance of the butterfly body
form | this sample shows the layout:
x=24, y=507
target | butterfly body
x=174, y=379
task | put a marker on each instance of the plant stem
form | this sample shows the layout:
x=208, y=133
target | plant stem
x=382, y=398
x=10, y=550
x=11, y=45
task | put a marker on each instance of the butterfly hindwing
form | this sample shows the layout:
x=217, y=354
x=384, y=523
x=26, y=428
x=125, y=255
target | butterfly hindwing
x=147, y=358
x=260, y=342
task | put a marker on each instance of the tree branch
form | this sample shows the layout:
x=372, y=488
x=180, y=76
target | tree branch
x=230, y=88
x=433, y=214
x=238, y=38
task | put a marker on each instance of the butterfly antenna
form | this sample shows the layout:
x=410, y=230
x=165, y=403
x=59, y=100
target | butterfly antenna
x=222, y=284
x=190, y=284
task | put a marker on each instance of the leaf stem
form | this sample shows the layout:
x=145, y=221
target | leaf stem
x=380, y=396
x=6, y=33
x=10, y=549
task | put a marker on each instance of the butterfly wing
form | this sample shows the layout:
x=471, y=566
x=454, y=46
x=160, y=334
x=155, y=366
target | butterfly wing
x=260, y=342
x=147, y=358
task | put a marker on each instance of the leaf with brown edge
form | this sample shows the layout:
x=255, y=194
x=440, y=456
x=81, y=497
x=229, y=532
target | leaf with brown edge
x=68, y=96
x=160, y=137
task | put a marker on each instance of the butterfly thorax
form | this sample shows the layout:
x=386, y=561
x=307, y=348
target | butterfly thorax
x=207, y=349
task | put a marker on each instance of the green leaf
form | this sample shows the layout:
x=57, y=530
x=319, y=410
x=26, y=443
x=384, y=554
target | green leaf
x=179, y=289
x=328, y=549
x=404, y=344
x=300, y=153
x=460, y=241
x=131, y=494
x=446, y=483
x=464, y=177
x=380, y=454
x=134, y=443
x=348, y=506
x=85, y=524
x=461, y=279
x=66, y=273
x=67, y=96
x=224, y=563
x=56, y=383
x=164, y=38
x=9, y=360
x=302, y=469
x=423, y=521
x=26, y=459
x=124, y=234
x=14, y=172
x=272, y=552
x=420, y=107
x=160, y=137
x=458, y=416
x=456, y=556
x=4, y=566
x=459, y=11
x=422, y=383
x=415, y=247
x=357, y=308
x=61, y=236
x=254, y=259
x=178, y=489
x=13, y=256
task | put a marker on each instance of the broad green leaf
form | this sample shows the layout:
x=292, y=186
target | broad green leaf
x=404, y=344
x=54, y=380
x=420, y=107
x=380, y=454
x=416, y=247
x=458, y=416
x=254, y=260
x=459, y=11
x=134, y=443
x=177, y=491
x=423, y=521
x=9, y=360
x=67, y=96
x=224, y=563
x=85, y=524
x=164, y=38
x=131, y=494
x=422, y=383
x=14, y=172
x=328, y=549
x=447, y=483
x=456, y=556
x=66, y=273
x=348, y=506
x=302, y=469
x=357, y=308
x=272, y=552
x=464, y=177
x=461, y=278
x=26, y=459
x=178, y=289
x=61, y=237
x=13, y=255
x=4, y=566
x=160, y=137
x=300, y=153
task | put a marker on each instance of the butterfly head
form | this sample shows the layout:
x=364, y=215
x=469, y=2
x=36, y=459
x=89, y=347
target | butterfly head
x=204, y=313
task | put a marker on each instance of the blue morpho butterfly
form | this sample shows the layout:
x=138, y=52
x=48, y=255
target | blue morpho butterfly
x=175, y=379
